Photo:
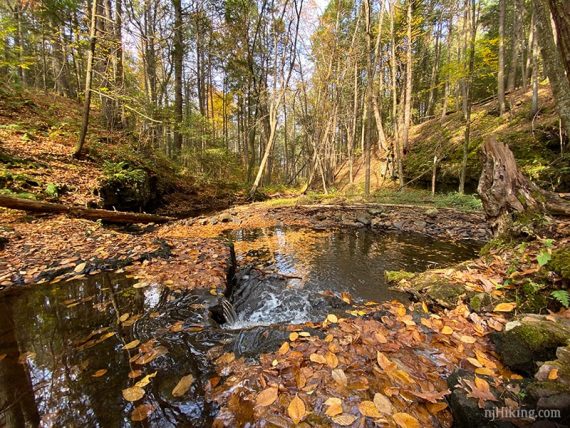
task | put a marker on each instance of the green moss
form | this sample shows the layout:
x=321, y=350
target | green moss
x=479, y=301
x=123, y=172
x=538, y=337
x=395, y=276
x=52, y=190
x=21, y=195
x=560, y=262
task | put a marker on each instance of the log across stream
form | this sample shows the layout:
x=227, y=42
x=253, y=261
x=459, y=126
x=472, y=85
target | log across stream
x=67, y=353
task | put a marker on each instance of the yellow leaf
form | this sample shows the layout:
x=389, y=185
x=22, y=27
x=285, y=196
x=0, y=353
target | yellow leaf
x=141, y=285
x=484, y=371
x=475, y=362
x=332, y=318
x=384, y=362
x=317, y=358
x=383, y=403
x=284, y=348
x=425, y=308
x=134, y=374
x=267, y=397
x=141, y=412
x=134, y=393
x=436, y=407
x=183, y=386
x=405, y=420
x=132, y=344
x=145, y=380
x=124, y=317
x=339, y=377
x=80, y=267
x=368, y=408
x=505, y=307
x=468, y=339
x=329, y=338
x=293, y=336
x=213, y=292
x=296, y=409
x=334, y=406
x=305, y=334
x=332, y=360
x=344, y=420
x=553, y=374
x=447, y=330
x=99, y=373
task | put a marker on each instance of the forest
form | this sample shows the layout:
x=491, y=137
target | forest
x=278, y=213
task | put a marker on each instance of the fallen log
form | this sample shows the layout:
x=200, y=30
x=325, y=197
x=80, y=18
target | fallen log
x=507, y=195
x=80, y=212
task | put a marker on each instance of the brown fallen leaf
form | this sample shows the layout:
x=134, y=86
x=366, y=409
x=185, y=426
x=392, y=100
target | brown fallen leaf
x=344, y=420
x=317, y=358
x=99, y=373
x=505, y=307
x=383, y=404
x=145, y=380
x=296, y=409
x=334, y=406
x=339, y=377
x=133, y=393
x=368, y=408
x=332, y=360
x=134, y=374
x=267, y=397
x=405, y=420
x=142, y=412
x=183, y=386
x=435, y=408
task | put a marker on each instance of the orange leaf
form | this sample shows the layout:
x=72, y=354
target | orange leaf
x=140, y=413
x=383, y=403
x=99, y=373
x=447, y=330
x=317, y=358
x=134, y=393
x=296, y=409
x=405, y=420
x=505, y=307
x=267, y=397
x=183, y=386
x=553, y=374
x=368, y=408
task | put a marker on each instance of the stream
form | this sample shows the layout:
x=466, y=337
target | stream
x=66, y=349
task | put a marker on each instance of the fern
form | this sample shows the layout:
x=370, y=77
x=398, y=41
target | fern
x=562, y=296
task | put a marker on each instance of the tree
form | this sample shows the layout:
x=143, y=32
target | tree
x=178, y=59
x=561, y=14
x=88, y=80
x=501, y=74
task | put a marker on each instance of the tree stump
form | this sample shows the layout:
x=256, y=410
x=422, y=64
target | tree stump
x=507, y=195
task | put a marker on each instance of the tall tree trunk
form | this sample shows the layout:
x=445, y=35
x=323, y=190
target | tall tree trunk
x=501, y=74
x=88, y=79
x=515, y=51
x=178, y=58
x=553, y=63
x=561, y=13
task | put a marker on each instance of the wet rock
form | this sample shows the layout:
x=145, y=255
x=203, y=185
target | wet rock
x=535, y=339
x=214, y=221
x=375, y=211
x=432, y=213
x=420, y=225
x=434, y=289
x=225, y=217
x=479, y=302
x=395, y=276
x=320, y=217
x=560, y=262
x=129, y=192
x=465, y=409
x=259, y=340
x=363, y=219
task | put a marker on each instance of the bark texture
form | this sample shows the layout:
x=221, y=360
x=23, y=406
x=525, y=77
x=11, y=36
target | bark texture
x=80, y=212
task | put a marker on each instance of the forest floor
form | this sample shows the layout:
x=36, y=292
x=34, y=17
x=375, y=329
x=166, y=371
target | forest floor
x=387, y=363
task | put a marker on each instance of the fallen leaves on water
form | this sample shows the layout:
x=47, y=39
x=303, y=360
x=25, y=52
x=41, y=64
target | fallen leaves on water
x=142, y=412
x=124, y=317
x=505, y=307
x=145, y=380
x=80, y=267
x=267, y=397
x=99, y=373
x=296, y=409
x=405, y=420
x=133, y=344
x=133, y=393
x=183, y=385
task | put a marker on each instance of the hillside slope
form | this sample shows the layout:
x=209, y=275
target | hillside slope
x=535, y=142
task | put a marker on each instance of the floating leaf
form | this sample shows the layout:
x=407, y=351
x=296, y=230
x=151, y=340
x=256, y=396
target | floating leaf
x=134, y=393
x=344, y=420
x=383, y=404
x=124, y=317
x=134, y=374
x=296, y=409
x=132, y=345
x=145, y=380
x=267, y=397
x=80, y=267
x=505, y=307
x=368, y=408
x=142, y=412
x=405, y=420
x=99, y=373
x=183, y=386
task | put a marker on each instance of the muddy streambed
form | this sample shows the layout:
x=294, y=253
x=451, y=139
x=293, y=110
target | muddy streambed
x=68, y=350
